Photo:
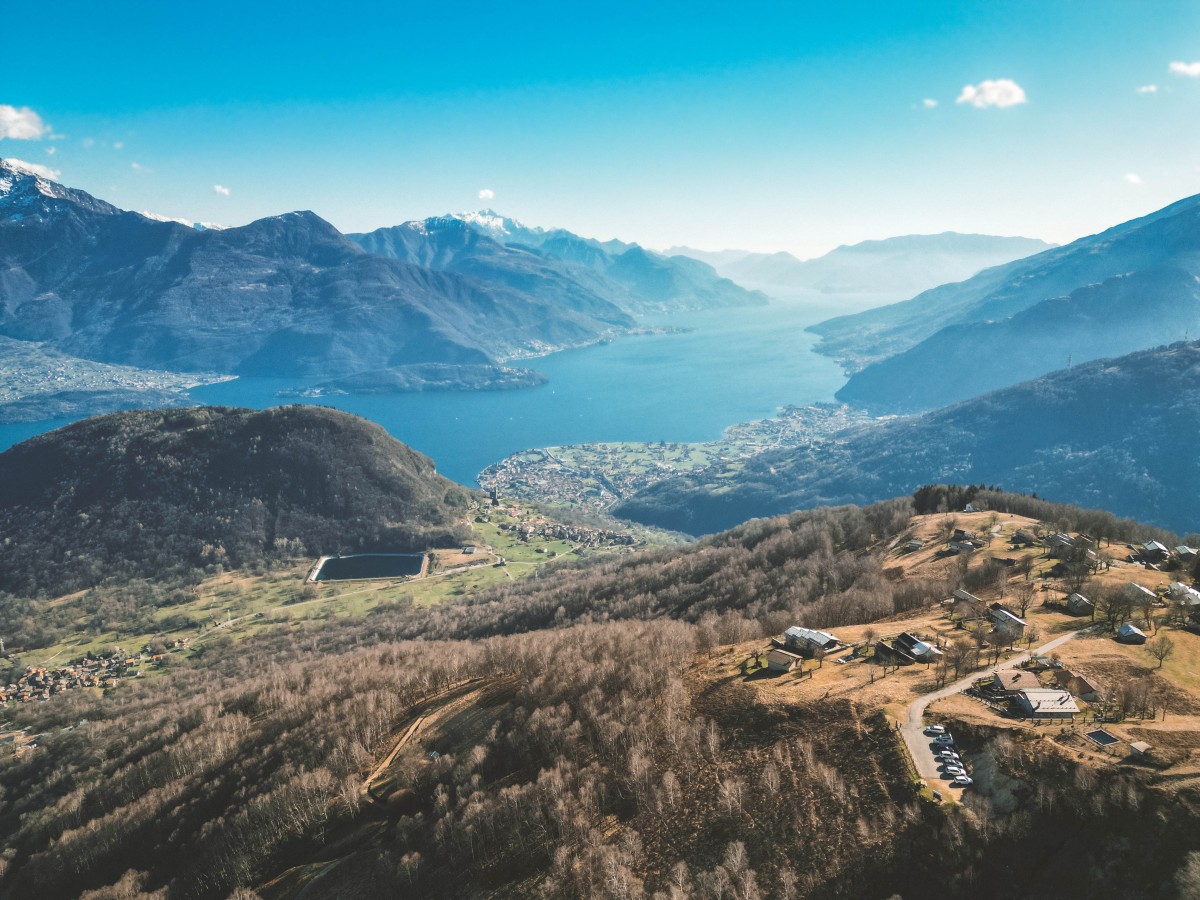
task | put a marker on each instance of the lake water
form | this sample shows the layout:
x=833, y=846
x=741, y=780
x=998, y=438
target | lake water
x=734, y=366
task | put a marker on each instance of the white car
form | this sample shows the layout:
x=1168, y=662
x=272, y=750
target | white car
x=962, y=780
x=935, y=729
x=949, y=756
x=954, y=770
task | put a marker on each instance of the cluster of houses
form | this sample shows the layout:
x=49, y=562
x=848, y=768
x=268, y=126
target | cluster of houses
x=39, y=683
x=1027, y=694
x=1003, y=619
x=576, y=534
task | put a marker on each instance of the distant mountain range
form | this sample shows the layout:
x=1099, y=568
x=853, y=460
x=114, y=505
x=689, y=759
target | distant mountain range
x=1129, y=288
x=895, y=267
x=500, y=250
x=1120, y=434
x=291, y=296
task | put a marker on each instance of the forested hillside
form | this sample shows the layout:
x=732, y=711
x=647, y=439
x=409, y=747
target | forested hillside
x=1106, y=434
x=160, y=493
x=576, y=758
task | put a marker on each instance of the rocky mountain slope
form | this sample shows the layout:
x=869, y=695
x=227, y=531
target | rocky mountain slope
x=556, y=263
x=1118, y=434
x=162, y=492
x=287, y=295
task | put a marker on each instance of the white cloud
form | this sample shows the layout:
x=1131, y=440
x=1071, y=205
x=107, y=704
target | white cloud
x=1191, y=70
x=135, y=166
x=89, y=142
x=1133, y=178
x=929, y=103
x=487, y=194
x=999, y=92
x=119, y=145
x=35, y=169
x=50, y=151
x=1148, y=89
x=21, y=124
x=221, y=189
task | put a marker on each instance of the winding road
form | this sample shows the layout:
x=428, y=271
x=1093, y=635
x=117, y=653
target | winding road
x=920, y=746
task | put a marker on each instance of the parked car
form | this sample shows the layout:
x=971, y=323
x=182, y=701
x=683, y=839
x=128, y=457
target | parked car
x=949, y=755
x=962, y=780
x=935, y=729
x=954, y=770
x=944, y=740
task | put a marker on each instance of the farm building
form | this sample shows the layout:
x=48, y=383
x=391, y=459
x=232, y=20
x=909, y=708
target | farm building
x=1140, y=593
x=1153, y=551
x=1079, y=605
x=917, y=648
x=1013, y=681
x=1047, y=703
x=807, y=641
x=783, y=661
x=1078, y=685
x=1006, y=618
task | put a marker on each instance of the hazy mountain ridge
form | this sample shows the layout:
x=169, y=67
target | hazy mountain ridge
x=1168, y=238
x=894, y=266
x=556, y=262
x=1121, y=315
x=1108, y=434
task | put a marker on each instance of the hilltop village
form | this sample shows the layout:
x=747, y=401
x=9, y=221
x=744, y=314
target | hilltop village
x=1091, y=645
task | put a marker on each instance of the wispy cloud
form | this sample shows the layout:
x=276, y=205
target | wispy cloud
x=137, y=167
x=118, y=145
x=35, y=169
x=21, y=123
x=999, y=92
x=929, y=103
x=1133, y=178
x=89, y=142
x=1148, y=89
x=221, y=189
x=51, y=150
x=1191, y=70
x=487, y=194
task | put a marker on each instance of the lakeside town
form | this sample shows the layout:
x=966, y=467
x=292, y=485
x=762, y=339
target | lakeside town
x=600, y=475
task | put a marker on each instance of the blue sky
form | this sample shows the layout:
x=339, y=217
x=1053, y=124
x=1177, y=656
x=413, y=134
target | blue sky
x=786, y=126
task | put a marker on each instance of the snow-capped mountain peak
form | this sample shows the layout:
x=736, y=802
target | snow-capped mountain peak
x=29, y=189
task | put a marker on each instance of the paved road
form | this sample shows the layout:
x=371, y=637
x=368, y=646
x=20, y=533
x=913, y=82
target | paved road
x=920, y=746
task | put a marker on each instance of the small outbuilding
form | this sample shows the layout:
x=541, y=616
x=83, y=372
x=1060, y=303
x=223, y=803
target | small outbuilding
x=784, y=661
x=1131, y=634
x=1079, y=605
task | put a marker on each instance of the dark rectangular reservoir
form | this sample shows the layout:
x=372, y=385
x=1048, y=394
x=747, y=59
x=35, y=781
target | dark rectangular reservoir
x=370, y=565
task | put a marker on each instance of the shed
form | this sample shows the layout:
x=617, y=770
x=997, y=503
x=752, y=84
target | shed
x=783, y=661
x=1047, y=703
x=1140, y=748
x=1131, y=634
